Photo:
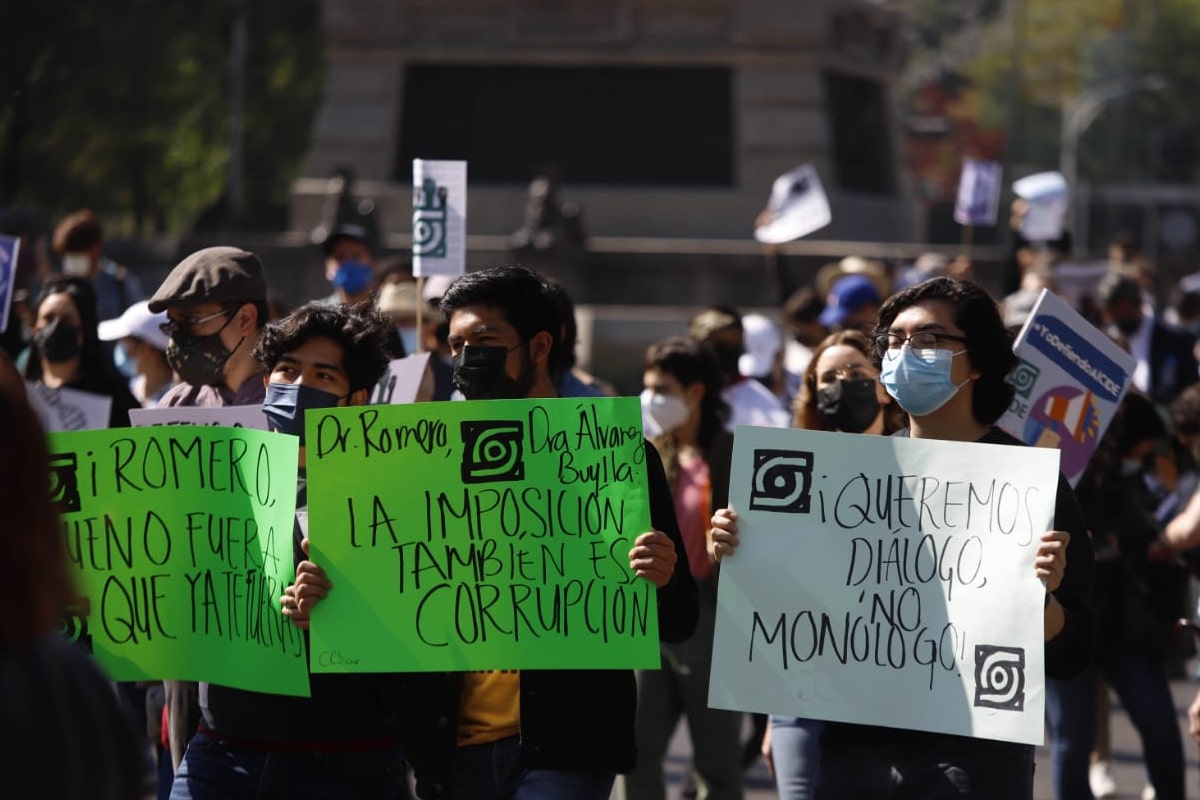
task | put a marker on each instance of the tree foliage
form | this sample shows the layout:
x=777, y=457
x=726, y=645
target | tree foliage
x=124, y=106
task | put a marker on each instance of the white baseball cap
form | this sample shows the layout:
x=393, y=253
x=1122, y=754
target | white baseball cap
x=137, y=321
x=761, y=344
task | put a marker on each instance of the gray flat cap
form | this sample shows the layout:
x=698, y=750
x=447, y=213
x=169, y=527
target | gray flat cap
x=213, y=275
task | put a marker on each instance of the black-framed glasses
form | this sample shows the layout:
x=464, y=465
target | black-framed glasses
x=922, y=340
x=188, y=324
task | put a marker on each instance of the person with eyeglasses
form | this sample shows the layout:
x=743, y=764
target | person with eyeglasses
x=216, y=304
x=944, y=353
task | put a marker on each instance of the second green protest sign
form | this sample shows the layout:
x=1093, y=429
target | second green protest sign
x=480, y=535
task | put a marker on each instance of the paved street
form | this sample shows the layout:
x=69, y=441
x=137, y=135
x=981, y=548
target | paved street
x=1128, y=771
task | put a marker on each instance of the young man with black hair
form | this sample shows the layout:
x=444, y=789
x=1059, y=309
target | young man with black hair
x=343, y=741
x=945, y=354
x=561, y=734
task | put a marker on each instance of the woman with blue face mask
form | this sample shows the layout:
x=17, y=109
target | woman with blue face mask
x=944, y=354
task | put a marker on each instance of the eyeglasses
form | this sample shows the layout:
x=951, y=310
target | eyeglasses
x=847, y=372
x=918, y=341
x=188, y=324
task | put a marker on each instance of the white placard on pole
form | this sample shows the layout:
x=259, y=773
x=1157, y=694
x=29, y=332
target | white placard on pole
x=797, y=207
x=439, y=217
x=1069, y=378
x=10, y=248
x=978, y=200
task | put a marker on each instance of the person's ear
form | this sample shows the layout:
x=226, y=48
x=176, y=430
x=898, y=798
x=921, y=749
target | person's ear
x=694, y=393
x=247, y=318
x=540, y=345
x=358, y=397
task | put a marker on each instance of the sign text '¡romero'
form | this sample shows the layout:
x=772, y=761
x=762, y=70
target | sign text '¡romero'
x=219, y=465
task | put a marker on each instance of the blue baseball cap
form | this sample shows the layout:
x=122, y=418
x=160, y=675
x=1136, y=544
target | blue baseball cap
x=849, y=294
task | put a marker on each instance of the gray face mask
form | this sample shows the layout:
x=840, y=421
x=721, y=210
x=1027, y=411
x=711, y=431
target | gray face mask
x=200, y=360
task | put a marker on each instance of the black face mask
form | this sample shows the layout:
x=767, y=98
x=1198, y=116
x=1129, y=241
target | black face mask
x=479, y=374
x=200, y=360
x=1128, y=325
x=849, y=406
x=58, y=341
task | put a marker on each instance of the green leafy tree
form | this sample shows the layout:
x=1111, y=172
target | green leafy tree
x=124, y=106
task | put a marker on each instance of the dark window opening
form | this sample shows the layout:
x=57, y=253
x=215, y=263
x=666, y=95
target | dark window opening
x=862, y=144
x=612, y=125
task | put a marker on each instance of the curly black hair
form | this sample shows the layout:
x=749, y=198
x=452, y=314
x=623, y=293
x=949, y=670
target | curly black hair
x=360, y=330
x=989, y=343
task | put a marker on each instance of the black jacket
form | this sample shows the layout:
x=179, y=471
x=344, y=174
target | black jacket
x=570, y=719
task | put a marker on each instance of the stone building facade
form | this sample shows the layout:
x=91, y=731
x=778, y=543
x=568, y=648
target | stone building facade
x=665, y=118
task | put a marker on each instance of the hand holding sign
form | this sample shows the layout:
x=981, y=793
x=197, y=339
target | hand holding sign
x=653, y=557
x=723, y=535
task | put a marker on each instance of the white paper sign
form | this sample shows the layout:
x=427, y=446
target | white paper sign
x=1047, y=195
x=886, y=581
x=1069, y=380
x=224, y=416
x=439, y=217
x=10, y=248
x=402, y=380
x=798, y=206
x=69, y=409
x=978, y=201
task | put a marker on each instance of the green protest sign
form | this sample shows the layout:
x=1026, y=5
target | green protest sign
x=480, y=535
x=181, y=543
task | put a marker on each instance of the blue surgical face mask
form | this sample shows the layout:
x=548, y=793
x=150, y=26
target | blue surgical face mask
x=409, y=337
x=919, y=380
x=125, y=364
x=285, y=404
x=352, y=277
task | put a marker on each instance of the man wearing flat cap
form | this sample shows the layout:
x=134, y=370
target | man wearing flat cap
x=216, y=304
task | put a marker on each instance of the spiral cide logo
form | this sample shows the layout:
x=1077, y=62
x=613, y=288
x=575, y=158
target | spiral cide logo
x=429, y=220
x=1024, y=377
x=999, y=677
x=64, y=485
x=73, y=625
x=492, y=451
x=782, y=481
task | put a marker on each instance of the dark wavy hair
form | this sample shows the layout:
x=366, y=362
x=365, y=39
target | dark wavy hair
x=806, y=414
x=35, y=588
x=989, y=343
x=1135, y=420
x=95, y=365
x=360, y=330
x=521, y=295
x=690, y=362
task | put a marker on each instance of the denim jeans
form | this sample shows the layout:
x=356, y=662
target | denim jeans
x=216, y=770
x=911, y=765
x=1140, y=681
x=796, y=753
x=494, y=771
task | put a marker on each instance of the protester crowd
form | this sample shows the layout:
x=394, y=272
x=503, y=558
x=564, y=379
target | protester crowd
x=915, y=350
